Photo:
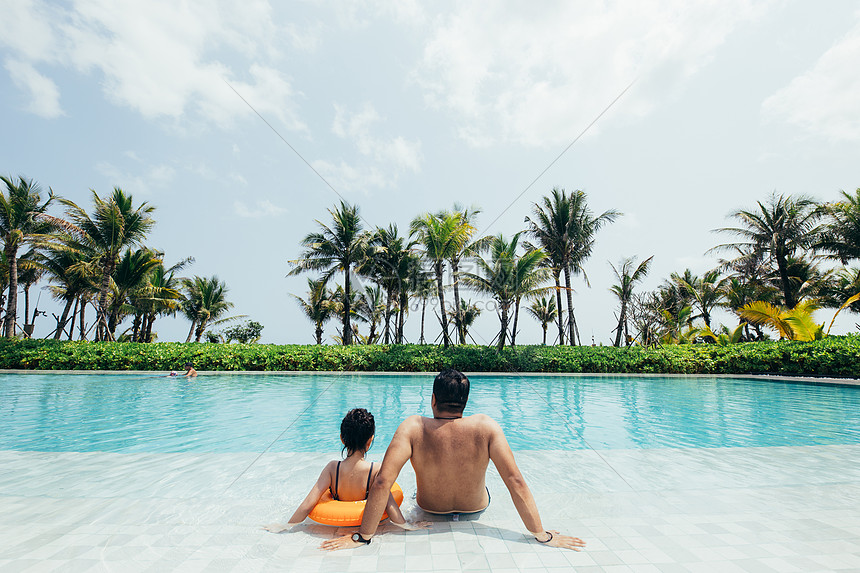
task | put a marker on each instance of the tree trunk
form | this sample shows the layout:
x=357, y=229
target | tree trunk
x=516, y=317
x=83, y=321
x=61, y=324
x=571, y=321
x=401, y=315
x=200, y=329
x=319, y=332
x=782, y=266
x=544, y=333
x=12, y=300
x=423, y=308
x=74, y=314
x=135, y=327
x=504, y=320
x=149, y=321
x=458, y=312
x=103, y=332
x=442, y=313
x=558, y=303
x=388, y=297
x=27, y=305
x=191, y=331
x=347, y=328
x=622, y=319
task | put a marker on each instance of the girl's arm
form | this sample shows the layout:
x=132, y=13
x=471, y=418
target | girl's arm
x=313, y=497
x=395, y=516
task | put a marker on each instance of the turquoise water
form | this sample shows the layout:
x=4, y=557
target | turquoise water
x=302, y=413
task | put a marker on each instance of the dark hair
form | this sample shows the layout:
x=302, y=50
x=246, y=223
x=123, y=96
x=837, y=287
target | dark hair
x=356, y=428
x=451, y=388
x=188, y=365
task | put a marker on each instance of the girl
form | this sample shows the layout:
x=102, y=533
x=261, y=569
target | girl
x=349, y=479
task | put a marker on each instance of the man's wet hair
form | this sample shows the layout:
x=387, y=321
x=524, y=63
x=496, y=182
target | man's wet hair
x=451, y=388
x=357, y=427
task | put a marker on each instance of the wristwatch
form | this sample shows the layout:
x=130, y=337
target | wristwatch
x=359, y=539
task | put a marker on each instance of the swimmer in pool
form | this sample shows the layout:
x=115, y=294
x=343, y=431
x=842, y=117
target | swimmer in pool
x=450, y=454
x=190, y=372
x=349, y=479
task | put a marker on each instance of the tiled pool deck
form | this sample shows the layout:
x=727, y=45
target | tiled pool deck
x=720, y=510
x=778, y=509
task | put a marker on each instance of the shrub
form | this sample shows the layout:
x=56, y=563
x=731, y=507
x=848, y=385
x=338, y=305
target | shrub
x=836, y=356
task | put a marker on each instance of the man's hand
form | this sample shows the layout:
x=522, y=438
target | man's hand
x=564, y=541
x=342, y=542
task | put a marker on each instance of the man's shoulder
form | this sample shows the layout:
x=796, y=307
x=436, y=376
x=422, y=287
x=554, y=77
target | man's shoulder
x=482, y=419
x=412, y=422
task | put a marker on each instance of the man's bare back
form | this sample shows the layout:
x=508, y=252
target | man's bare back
x=450, y=458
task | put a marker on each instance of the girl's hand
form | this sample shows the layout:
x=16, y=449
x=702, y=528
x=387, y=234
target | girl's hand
x=279, y=527
x=414, y=526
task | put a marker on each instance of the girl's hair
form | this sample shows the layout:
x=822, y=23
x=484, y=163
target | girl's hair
x=356, y=429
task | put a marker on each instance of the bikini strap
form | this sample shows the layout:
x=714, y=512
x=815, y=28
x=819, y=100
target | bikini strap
x=370, y=473
x=336, y=480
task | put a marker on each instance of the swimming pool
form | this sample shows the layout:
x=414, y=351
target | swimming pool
x=127, y=413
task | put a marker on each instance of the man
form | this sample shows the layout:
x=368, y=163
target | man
x=450, y=455
x=190, y=372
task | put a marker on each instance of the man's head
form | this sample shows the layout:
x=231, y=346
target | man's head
x=451, y=389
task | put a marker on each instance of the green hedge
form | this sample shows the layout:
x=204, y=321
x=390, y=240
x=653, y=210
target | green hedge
x=837, y=356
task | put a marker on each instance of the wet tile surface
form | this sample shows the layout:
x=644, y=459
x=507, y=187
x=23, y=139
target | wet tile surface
x=744, y=509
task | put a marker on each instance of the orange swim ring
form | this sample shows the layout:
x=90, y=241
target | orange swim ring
x=329, y=511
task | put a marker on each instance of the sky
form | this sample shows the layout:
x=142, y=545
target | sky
x=244, y=122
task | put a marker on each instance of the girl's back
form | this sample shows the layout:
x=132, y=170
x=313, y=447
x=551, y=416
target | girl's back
x=350, y=478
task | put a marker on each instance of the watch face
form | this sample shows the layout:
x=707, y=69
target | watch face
x=357, y=538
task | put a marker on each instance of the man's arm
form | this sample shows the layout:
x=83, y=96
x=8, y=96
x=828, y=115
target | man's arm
x=503, y=459
x=397, y=454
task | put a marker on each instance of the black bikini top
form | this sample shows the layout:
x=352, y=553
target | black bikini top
x=337, y=481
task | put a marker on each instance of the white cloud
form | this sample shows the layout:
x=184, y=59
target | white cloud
x=24, y=26
x=345, y=177
x=44, y=95
x=824, y=100
x=156, y=177
x=539, y=76
x=383, y=159
x=262, y=208
x=165, y=59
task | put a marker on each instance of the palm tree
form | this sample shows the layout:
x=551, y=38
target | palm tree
x=581, y=236
x=627, y=278
x=21, y=222
x=424, y=288
x=442, y=236
x=467, y=248
x=841, y=236
x=29, y=273
x=372, y=310
x=336, y=248
x=565, y=229
x=392, y=263
x=706, y=291
x=114, y=226
x=160, y=295
x=778, y=229
x=205, y=302
x=507, y=276
x=791, y=323
x=550, y=227
x=544, y=311
x=317, y=306
x=469, y=313
x=131, y=274
x=68, y=283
